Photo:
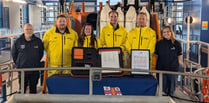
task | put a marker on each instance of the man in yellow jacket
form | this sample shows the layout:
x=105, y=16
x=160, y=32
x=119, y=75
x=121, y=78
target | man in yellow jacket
x=58, y=43
x=113, y=35
x=141, y=37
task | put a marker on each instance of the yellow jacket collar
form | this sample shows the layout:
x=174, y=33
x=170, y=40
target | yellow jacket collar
x=110, y=25
x=88, y=36
x=142, y=27
x=66, y=30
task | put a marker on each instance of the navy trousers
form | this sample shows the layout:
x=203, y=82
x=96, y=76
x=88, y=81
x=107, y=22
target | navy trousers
x=169, y=84
x=31, y=80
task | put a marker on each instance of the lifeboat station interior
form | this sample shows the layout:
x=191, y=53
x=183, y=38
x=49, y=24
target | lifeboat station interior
x=122, y=61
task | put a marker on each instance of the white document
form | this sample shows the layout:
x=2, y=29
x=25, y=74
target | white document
x=110, y=59
x=140, y=60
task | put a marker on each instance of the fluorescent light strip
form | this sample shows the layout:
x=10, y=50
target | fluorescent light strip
x=20, y=1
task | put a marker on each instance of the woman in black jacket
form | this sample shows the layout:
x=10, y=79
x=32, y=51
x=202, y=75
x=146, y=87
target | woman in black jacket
x=168, y=52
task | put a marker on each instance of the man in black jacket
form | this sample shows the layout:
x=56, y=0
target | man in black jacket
x=27, y=52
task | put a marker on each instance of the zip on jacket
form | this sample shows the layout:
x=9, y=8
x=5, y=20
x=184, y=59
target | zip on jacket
x=87, y=42
x=62, y=51
x=140, y=40
x=113, y=38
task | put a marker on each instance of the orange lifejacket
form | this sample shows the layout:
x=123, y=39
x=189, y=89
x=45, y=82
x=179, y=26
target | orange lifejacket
x=205, y=87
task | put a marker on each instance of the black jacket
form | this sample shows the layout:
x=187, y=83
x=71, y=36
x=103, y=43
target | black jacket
x=27, y=54
x=168, y=55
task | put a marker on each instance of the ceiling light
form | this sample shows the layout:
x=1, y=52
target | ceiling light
x=20, y=1
x=169, y=20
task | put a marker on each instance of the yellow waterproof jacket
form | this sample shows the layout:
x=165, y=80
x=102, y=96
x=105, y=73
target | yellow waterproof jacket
x=113, y=38
x=58, y=47
x=141, y=38
x=87, y=42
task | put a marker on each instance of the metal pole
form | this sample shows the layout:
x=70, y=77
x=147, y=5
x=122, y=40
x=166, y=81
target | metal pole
x=22, y=81
x=188, y=32
x=90, y=80
x=41, y=37
x=10, y=78
x=182, y=48
x=184, y=66
x=160, y=84
x=191, y=79
x=199, y=80
x=12, y=41
x=199, y=53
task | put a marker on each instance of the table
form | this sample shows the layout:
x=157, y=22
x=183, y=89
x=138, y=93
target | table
x=130, y=85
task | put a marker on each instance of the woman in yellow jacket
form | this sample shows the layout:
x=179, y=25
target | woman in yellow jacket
x=87, y=37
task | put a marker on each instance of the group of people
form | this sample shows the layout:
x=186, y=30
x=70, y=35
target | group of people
x=58, y=42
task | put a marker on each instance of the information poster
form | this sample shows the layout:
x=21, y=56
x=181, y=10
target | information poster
x=204, y=25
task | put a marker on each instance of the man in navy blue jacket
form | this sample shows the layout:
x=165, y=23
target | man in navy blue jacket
x=27, y=52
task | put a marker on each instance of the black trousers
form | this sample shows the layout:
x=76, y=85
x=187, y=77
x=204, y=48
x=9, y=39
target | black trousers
x=31, y=80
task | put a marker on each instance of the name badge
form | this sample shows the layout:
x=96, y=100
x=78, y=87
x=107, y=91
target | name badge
x=22, y=46
x=36, y=46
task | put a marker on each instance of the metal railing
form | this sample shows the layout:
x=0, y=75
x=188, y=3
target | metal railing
x=187, y=63
x=22, y=70
x=201, y=49
x=32, y=98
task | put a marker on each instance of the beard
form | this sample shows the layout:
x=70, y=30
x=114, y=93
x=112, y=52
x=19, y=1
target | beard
x=62, y=27
x=142, y=25
x=113, y=22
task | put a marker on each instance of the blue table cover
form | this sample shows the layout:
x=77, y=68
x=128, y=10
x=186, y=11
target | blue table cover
x=132, y=85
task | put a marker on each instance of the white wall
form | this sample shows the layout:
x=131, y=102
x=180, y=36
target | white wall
x=14, y=14
x=35, y=16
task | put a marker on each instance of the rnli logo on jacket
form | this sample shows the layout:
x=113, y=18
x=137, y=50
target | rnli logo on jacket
x=22, y=46
x=145, y=38
x=108, y=34
x=173, y=48
x=69, y=38
x=112, y=90
x=36, y=46
x=118, y=35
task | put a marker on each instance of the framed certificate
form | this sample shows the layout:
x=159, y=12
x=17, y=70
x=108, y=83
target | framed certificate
x=140, y=59
x=111, y=57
